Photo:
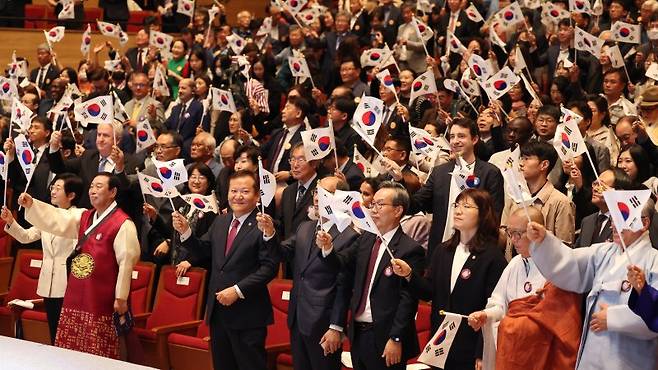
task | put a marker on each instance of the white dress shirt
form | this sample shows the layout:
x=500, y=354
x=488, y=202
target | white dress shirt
x=458, y=261
x=291, y=132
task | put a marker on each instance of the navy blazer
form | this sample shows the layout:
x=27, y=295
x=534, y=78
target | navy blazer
x=187, y=127
x=250, y=264
x=392, y=305
x=433, y=196
x=319, y=295
x=293, y=213
x=268, y=149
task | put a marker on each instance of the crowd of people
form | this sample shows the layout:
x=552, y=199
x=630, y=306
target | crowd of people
x=545, y=281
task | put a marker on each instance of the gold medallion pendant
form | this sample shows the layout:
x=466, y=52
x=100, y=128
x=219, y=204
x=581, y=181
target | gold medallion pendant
x=82, y=266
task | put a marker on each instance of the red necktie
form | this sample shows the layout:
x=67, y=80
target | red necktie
x=371, y=269
x=231, y=236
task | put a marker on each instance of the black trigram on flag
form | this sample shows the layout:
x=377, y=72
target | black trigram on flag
x=103, y=116
x=266, y=180
x=428, y=348
x=510, y=162
x=574, y=147
x=25, y=144
x=262, y=193
x=176, y=176
x=438, y=352
x=634, y=201
x=348, y=199
x=366, y=105
x=567, y=129
x=370, y=131
x=103, y=103
x=564, y=151
x=314, y=152
x=328, y=210
x=452, y=326
x=85, y=115
x=314, y=137
x=28, y=170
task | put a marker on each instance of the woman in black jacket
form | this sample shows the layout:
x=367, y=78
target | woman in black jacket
x=462, y=273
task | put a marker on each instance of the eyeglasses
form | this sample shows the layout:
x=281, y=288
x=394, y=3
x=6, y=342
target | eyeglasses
x=379, y=205
x=299, y=160
x=389, y=149
x=163, y=147
x=464, y=206
x=514, y=234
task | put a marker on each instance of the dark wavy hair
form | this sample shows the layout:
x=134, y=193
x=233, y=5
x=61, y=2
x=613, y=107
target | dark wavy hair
x=486, y=235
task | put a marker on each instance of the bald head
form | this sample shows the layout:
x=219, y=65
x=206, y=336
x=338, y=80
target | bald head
x=517, y=223
x=333, y=183
x=534, y=213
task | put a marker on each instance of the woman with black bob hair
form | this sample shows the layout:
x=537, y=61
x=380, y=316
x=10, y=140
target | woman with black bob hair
x=463, y=272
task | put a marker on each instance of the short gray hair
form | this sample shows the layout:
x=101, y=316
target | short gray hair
x=400, y=196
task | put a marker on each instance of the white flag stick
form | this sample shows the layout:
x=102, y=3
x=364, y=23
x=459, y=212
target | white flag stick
x=443, y=313
x=138, y=173
x=621, y=239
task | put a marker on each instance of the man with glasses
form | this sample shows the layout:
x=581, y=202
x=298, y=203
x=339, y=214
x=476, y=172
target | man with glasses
x=396, y=150
x=143, y=106
x=350, y=72
x=382, y=326
x=298, y=196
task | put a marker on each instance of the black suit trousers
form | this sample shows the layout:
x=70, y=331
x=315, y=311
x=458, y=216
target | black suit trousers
x=307, y=354
x=234, y=349
x=365, y=355
x=53, y=308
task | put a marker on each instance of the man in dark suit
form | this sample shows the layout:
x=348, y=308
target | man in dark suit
x=298, y=196
x=382, y=327
x=138, y=55
x=317, y=312
x=55, y=94
x=107, y=157
x=186, y=116
x=349, y=171
x=335, y=38
x=244, y=260
x=277, y=150
x=456, y=21
x=43, y=75
x=434, y=195
x=590, y=68
x=596, y=228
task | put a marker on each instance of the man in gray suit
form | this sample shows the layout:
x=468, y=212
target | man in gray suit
x=142, y=105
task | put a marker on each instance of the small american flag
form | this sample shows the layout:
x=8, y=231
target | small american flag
x=256, y=91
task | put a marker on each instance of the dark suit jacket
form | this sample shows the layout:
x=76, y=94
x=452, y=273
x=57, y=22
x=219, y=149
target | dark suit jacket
x=590, y=68
x=52, y=73
x=294, y=213
x=222, y=187
x=187, y=127
x=39, y=186
x=251, y=264
x=354, y=175
x=268, y=149
x=587, y=226
x=86, y=167
x=131, y=54
x=319, y=296
x=392, y=305
x=433, y=196
x=469, y=295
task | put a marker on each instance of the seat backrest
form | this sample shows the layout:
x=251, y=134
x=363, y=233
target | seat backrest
x=141, y=287
x=280, y=296
x=25, y=277
x=178, y=299
x=35, y=18
x=136, y=20
x=423, y=326
x=91, y=15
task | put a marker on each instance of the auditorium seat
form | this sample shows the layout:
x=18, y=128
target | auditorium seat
x=91, y=15
x=278, y=335
x=35, y=323
x=136, y=20
x=23, y=286
x=35, y=17
x=6, y=261
x=178, y=307
x=187, y=352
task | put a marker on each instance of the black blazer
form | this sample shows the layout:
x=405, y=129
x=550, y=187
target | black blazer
x=293, y=213
x=319, y=296
x=469, y=295
x=251, y=264
x=433, y=196
x=52, y=73
x=187, y=127
x=39, y=186
x=354, y=175
x=86, y=167
x=269, y=148
x=131, y=54
x=392, y=305
x=587, y=230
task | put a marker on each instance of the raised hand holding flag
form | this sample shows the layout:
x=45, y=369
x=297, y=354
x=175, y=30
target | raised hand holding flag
x=318, y=142
x=267, y=185
x=500, y=83
x=155, y=187
x=185, y=7
x=144, y=135
x=85, y=45
x=67, y=11
x=625, y=207
x=625, y=32
x=55, y=34
x=172, y=173
x=109, y=29
x=97, y=110
x=204, y=203
x=223, y=100
x=368, y=117
x=423, y=85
